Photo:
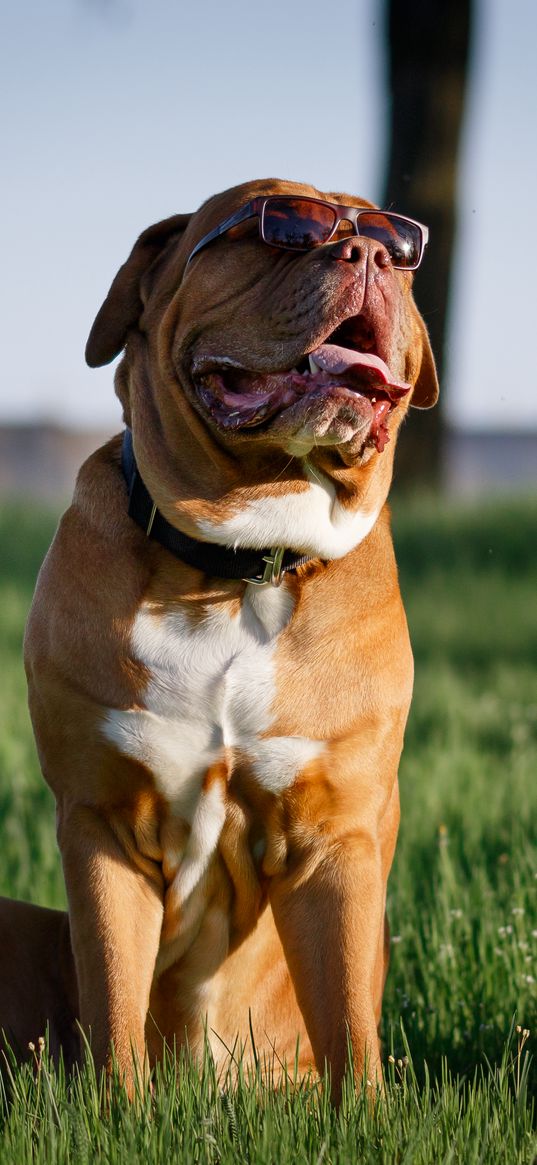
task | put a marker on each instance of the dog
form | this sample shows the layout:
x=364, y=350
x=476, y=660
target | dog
x=38, y=988
x=218, y=659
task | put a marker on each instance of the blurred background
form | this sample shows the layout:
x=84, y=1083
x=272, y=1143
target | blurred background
x=120, y=112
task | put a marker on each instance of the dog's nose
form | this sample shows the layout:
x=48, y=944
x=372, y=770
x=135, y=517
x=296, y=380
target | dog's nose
x=356, y=249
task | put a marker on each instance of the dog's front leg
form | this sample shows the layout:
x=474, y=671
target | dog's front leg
x=115, y=917
x=329, y=907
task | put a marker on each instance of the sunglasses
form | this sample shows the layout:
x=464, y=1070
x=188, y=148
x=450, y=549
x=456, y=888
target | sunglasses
x=300, y=224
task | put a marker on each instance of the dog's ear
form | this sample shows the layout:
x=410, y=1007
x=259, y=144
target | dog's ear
x=426, y=388
x=123, y=304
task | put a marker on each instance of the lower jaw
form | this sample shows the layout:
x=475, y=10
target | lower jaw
x=332, y=417
x=329, y=415
x=347, y=447
x=326, y=428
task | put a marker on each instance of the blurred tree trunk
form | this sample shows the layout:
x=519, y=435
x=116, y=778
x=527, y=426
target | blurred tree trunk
x=428, y=52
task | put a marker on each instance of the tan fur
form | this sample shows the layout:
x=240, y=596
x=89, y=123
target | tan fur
x=285, y=934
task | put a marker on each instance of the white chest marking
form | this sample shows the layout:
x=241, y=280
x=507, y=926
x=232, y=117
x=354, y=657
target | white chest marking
x=313, y=521
x=212, y=687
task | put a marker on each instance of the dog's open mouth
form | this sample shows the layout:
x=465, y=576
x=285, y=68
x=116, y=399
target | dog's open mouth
x=240, y=399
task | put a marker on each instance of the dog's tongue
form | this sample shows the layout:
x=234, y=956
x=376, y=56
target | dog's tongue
x=339, y=361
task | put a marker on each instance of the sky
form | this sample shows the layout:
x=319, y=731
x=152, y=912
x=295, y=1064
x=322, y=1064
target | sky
x=120, y=112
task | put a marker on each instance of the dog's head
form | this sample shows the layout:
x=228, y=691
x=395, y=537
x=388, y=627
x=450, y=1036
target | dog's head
x=312, y=354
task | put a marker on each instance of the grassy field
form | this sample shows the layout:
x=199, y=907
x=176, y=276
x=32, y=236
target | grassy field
x=462, y=901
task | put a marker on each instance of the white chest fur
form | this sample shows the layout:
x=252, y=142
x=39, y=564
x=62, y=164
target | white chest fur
x=313, y=521
x=212, y=687
x=211, y=690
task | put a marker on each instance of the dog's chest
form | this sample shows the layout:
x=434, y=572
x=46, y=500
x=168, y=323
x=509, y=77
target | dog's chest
x=208, y=699
x=209, y=694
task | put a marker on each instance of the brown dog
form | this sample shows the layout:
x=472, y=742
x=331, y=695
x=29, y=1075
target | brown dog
x=224, y=754
x=38, y=991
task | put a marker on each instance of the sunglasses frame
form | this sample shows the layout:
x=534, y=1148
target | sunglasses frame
x=351, y=214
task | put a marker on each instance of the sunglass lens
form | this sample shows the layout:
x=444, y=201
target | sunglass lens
x=402, y=239
x=297, y=223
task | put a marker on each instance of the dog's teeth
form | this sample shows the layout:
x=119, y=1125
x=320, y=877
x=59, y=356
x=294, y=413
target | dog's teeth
x=313, y=366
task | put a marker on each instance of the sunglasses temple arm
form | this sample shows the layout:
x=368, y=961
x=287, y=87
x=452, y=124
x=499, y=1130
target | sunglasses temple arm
x=247, y=211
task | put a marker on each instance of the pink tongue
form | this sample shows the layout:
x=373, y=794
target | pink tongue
x=335, y=360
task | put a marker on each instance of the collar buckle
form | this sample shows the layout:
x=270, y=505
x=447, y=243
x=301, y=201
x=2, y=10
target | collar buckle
x=273, y=572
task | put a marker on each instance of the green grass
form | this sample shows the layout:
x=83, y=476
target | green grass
x=210, y=1121
x=462, y=895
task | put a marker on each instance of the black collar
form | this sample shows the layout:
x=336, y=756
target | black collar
x=255, y=566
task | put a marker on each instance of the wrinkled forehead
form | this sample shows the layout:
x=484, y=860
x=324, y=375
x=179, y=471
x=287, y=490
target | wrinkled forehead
x=221, y=206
